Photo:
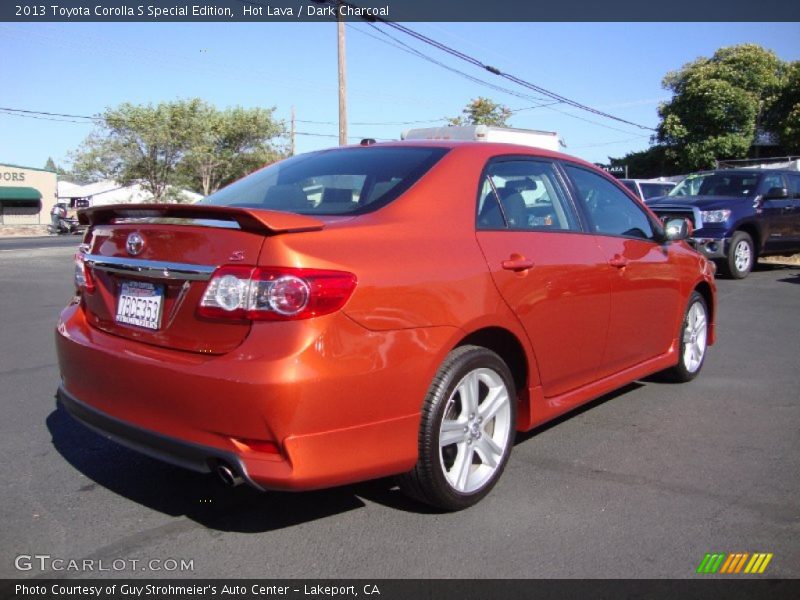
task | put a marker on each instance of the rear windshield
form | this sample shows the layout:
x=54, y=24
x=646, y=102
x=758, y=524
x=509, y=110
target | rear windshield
x=331, y=182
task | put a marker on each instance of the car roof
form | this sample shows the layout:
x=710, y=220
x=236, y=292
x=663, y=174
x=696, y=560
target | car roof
x=489, y=148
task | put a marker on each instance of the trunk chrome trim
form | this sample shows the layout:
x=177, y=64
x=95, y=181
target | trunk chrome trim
x=154, y=269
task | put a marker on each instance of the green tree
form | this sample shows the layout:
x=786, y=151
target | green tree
x=172, y=144
x=783, y=118
x=717, y=105
x=50, y=165
x=483, y=111
x=229, y=144
x=141, y=144
x=647, y=164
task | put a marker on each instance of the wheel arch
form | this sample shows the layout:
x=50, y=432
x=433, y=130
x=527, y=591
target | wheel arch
x=754, y=232
x=511, y=349
x=704, y=289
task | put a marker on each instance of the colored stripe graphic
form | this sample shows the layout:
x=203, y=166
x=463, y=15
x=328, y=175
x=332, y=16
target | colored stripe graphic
x=710, y=563
x=723, y=563
x=758, y=563
x=734, y=563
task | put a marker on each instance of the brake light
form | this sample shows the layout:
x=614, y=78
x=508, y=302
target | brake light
x=83, y=276
x=274, y=293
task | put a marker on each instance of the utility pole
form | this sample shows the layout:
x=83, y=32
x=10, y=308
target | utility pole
x=342, y=82
x=292, y=134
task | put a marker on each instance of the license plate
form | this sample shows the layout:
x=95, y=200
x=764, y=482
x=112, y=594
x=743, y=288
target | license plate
x=139, y=304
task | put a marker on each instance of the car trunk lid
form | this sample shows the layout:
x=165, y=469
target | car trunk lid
x=150, y=265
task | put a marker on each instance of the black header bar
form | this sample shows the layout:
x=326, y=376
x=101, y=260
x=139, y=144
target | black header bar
x=227, y=11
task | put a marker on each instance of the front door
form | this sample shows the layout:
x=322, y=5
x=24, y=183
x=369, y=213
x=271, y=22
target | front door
x=548, y=271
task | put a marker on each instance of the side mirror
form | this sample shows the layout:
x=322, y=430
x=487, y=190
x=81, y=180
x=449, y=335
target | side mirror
x=677, y=229
x=776, y=193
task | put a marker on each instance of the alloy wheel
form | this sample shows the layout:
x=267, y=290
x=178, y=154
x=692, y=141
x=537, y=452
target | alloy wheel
x=475, y=430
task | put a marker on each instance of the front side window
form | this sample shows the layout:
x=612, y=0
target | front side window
x=523, y=195
x=794, y=185
x=610, y=210
x=331, y=182
x=772, y=180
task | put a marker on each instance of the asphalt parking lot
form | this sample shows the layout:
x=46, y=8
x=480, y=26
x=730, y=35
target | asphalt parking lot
x=642, y=483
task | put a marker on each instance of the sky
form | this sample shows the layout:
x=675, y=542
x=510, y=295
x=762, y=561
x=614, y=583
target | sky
x=83, y=68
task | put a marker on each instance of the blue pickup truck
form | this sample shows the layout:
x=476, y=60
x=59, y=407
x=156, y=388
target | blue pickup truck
x=738, y=214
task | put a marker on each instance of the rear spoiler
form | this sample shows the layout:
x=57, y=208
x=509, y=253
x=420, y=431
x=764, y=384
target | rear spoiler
x=249, y=219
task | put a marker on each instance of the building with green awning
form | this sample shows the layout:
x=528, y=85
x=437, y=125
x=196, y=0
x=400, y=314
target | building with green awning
x=27, y=195
x=20, y=194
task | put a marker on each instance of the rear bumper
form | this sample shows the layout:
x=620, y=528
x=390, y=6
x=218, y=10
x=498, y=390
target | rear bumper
x=336, y=403
x=184, y=454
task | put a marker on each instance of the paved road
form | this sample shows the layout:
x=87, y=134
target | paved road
x=19, y=244
x=642, y=483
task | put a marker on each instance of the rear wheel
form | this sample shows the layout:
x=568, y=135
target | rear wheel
x=467, y=430
x=694, y=341
x=741, y=256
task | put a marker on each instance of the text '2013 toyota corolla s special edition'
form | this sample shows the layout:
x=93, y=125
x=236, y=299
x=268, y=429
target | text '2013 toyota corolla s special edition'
x=398, y=309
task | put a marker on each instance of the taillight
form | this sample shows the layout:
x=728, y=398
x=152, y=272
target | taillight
x=83, y=276
x=273, y=293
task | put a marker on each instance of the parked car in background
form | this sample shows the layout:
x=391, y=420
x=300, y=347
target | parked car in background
x=395, y=309
x=738, y=214
x=646, y=188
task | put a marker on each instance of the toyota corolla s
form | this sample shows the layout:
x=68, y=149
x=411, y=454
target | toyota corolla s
x=396, y=309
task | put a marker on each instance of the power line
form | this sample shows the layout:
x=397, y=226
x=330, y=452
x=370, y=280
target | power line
x=38, y=112
x=70, y=118
x=415, y=52
x=42, y=118
x=494, y=70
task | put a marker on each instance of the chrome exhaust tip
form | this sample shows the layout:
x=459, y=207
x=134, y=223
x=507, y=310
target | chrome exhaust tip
x=228, y=476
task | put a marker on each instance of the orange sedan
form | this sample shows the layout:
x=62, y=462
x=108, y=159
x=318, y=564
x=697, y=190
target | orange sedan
x=395, y=309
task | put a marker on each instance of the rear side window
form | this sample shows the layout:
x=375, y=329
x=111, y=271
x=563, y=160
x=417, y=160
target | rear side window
x=612, y=212
x=523, y=195
x=332, y=182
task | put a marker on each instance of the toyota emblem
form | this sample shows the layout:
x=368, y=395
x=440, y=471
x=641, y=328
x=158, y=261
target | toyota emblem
x=135, y=244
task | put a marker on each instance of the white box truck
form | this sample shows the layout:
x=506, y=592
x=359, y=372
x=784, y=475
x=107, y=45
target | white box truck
x=548, y=140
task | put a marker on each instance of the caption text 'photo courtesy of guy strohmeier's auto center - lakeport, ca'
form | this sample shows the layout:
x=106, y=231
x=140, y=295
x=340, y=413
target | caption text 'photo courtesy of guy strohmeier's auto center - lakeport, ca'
x=558, y=312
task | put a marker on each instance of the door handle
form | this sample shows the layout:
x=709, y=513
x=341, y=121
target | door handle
x=618, y=261
x=517, y=263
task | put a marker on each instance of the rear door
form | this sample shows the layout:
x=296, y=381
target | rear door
x=547, y=269
x=645, y=295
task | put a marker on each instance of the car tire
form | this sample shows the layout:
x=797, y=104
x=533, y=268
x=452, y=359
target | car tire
x=467, y=430
x=694, y=341
x=741, y=256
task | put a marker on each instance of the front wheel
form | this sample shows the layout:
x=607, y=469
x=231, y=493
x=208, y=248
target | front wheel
x=467, y=430
x=741, y=256
x=694, y=341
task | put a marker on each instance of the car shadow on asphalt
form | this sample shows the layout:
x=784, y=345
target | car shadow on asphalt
x=203, y=498
x=791, y=270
